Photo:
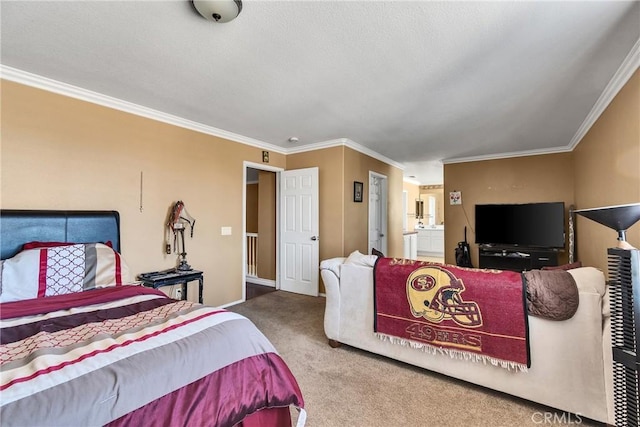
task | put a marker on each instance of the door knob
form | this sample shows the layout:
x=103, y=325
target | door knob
x=382, y=235
x=314, y=238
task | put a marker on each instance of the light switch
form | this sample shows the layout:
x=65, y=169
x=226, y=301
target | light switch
x=225, y=231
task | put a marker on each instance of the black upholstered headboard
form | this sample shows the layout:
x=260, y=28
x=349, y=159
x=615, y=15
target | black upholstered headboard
x=18, y=227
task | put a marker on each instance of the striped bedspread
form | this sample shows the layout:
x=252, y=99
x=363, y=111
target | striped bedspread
x=119, y=355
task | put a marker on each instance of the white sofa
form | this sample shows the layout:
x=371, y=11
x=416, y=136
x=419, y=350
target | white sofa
x=571, y=362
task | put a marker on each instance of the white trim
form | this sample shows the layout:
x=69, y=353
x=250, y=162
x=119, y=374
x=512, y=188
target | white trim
x=384, y=217
x=44, y=83
x=229, y=304
x=507, y=155
x=346, y=142
x=364, y=150
x=277, y=170
x=261, y=166
x=317, y=146
x=263, y=282
x=629, y=66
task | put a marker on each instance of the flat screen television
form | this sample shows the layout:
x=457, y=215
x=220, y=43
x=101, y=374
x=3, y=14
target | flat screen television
x=536, y=225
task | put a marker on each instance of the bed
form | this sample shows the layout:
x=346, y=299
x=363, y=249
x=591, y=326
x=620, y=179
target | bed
x=80, y=344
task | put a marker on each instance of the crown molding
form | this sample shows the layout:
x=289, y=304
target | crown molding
x=346, y=142
x=507, y=155
x=50, y=85
x=369, y=152
x=629, y=66
x=317, y=146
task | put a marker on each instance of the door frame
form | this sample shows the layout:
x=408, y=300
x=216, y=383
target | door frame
x=385, y=217
x=260, y=166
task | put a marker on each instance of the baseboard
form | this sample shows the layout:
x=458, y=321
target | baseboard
x=259, y=281
x=230, y=304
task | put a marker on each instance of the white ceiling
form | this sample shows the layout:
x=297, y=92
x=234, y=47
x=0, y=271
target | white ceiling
x=415, y=82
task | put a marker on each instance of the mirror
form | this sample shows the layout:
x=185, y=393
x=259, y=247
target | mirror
x=419, y=209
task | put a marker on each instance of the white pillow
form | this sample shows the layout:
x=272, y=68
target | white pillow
x=356, y=258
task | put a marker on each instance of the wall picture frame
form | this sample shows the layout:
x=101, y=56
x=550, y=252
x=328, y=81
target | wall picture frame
x=357, y=191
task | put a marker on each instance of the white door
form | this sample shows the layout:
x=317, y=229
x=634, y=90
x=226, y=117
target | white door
x=377, y=212
x=299, y=231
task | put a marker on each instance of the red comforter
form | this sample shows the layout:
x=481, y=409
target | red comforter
x=131, y=356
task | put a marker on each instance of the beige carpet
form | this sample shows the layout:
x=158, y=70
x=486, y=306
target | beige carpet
x=348, y=387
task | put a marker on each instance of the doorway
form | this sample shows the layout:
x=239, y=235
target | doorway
x=260, y=230
x=378, y=196
x=286, y=219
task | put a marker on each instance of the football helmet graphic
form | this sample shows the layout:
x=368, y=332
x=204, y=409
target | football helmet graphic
x=435, y=294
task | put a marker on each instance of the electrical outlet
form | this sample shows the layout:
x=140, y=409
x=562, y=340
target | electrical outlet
x=177, y=293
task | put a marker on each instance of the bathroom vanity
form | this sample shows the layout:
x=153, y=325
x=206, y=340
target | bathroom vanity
x=431, y=240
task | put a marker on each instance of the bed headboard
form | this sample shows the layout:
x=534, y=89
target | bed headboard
x=18, y=227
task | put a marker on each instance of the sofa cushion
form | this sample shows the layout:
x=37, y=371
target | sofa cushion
x=357, y=258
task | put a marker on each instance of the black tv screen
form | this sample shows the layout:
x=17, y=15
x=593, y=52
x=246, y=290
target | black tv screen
x=528, y=224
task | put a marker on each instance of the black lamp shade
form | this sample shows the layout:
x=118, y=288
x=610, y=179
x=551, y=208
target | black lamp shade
x=618, y=218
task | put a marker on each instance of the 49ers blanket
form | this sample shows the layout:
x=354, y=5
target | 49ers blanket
x=466, y=313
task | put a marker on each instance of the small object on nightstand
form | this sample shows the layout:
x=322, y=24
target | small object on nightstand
x=172, y=276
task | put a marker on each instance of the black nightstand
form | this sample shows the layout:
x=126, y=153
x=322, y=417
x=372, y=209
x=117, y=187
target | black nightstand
x=158, y=279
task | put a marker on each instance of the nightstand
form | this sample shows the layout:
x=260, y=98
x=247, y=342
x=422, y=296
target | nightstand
x=157, y=279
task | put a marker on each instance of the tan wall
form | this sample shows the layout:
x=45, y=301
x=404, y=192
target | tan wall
x=252, y=208
x=343, y=223
x=356, y=215
x=62, y=153
x=330, y=162
x=607, y=172
x=603, y=170
x=267, y=225
x=544, y=178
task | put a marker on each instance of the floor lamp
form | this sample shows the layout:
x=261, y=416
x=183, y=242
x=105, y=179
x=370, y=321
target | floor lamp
x=624, y=296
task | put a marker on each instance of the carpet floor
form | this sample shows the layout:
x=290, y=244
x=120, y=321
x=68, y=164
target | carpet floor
x=345, y=386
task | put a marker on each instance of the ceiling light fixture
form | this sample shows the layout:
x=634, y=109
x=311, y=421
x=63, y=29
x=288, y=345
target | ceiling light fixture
x=218, y=11
x=294, y=139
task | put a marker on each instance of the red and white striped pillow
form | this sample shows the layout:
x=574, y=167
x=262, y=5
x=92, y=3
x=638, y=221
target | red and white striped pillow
x=59, y=270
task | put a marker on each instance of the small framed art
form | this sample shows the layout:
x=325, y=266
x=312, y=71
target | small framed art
x=357, y=191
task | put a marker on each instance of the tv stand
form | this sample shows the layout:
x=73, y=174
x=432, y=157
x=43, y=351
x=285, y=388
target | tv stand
x=516, y=258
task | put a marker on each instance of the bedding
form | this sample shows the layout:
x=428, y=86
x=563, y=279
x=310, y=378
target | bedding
x=81, y=345
x=98, y=356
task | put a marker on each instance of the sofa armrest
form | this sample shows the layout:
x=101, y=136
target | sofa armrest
x=333, y=265
x=330, y=273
